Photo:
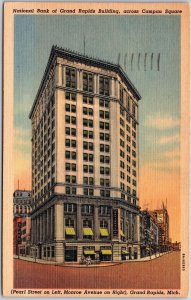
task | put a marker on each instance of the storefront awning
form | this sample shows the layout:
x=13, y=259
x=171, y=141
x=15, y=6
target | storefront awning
x=125, y=252
x=106, y=252
x=89, y=252
x=104, y=232
x=87, y=231
x=70, y=231
x=121, y=233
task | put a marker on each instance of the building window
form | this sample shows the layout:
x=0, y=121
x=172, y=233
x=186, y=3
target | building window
x=104, y=182
x=104, y=210
x=133, y=110
x=88, y=134
x=104, y=114
x=104, y=170
x=103, y=224
x=122, y=144
x=122, y=154
x=71, y=78
x=103, y=103
x=69, y=208
x=87, y=209
x=87, y=82
x=70, y=143
x=104, y=125
x=104, y=159
x=104, y=86
x=104, y=136
x=70, y=179
x=70, y=155
x=87, y=100
x=88, y=169
x=104, y=148
x=87, y=123
x=70, y=190
x=88, y=180
x=69, y=222
x=133, y=153
x=88, y=191
x=70, y=167
x=87, y=111
x=70, y=108
x=104, y=193
x=70, y=96
x=88, y=146
x=88, y=157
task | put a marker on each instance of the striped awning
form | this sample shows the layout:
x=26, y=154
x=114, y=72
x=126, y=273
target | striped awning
x=106, y=252
x=125, y=252
x=70, y=231
x=104, y=232
x=87, y=231
x=89, y=252
x=121, y=233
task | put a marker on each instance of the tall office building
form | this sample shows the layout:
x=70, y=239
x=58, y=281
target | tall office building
x=85, y=161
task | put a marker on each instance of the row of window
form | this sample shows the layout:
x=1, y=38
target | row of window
x=86, y=191
x=88, y=84
x=89, y=209
x=86, y=223
x=87, y=180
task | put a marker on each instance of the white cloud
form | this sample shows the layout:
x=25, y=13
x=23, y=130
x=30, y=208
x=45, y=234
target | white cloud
x=159, y=121
x=170, y=139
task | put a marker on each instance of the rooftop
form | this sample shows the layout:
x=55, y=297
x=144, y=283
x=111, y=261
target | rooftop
x=69, y=54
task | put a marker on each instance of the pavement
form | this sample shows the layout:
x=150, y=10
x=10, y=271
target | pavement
x=160, y=273
x=93, y=265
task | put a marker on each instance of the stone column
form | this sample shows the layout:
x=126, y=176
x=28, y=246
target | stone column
x=47, y=226
x=138, y=235
x=117, y=89
x=64, y=76
x=52, y=222
x=96, y=223
x=59, y=74
x=59, y=232
x=38, y=230
x=78, y=80
x=40, y=227
x=112, y=88
x=95, y=83
x=79, y=223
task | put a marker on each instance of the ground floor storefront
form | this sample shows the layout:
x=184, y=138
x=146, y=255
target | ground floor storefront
x=77, y=252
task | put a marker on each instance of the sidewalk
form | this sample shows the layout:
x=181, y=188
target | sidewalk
x=77, y=265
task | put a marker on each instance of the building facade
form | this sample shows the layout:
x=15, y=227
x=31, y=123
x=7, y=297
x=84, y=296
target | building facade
x=149, y=234
x=22, y=207
x=161, y=217
x=22, y=203
x=84, y=161
x=24, y=246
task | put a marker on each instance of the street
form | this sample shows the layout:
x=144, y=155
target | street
x=160, y=273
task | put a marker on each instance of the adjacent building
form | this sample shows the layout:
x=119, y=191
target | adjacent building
x=84, y=161
x=22, y=206
x=22, y=203
x=161, y=217
x=149, y=234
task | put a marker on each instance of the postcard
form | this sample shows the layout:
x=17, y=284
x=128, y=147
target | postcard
x=95, y=149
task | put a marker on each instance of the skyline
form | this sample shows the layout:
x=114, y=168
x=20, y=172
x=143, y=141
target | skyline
x=159, y=108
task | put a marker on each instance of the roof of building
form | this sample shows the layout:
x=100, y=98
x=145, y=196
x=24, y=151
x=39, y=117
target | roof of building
x=66, y=53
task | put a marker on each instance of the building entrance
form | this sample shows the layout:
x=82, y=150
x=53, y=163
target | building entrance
x=71, y=254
